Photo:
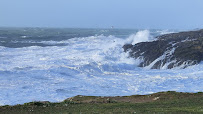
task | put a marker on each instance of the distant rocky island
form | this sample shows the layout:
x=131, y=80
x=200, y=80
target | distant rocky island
x=175, y=50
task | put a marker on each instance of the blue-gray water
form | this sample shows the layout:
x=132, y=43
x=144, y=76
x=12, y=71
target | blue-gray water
x=24, y=37
x=54, y=64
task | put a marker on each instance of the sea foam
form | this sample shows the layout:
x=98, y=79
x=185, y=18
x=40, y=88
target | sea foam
x=141, y=36
x=94, y=65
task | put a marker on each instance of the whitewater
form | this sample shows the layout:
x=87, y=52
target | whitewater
x=87, y=64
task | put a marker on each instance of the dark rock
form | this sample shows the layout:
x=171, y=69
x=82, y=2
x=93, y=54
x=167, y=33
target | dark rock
x=168, y=51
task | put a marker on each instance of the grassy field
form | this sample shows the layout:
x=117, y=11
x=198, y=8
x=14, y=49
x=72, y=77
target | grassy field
x=158, y=103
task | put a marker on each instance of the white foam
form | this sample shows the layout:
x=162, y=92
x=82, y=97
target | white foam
x=2, y=37
x=162, y=32
x=93, y=65
x=81, y=51
x=24, y=36
x=141, y=36
x=166, y=54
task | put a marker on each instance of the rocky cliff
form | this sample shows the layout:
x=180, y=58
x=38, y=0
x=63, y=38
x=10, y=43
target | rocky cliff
x=168, y=51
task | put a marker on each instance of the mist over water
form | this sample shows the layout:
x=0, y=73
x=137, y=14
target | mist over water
x=55, y=64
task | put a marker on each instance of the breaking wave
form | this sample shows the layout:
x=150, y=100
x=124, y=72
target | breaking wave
x=140, y=36
x=94, y=65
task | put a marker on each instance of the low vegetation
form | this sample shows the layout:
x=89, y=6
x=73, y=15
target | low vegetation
x=161, y=103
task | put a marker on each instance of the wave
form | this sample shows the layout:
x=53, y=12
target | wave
x=162, y=32
x=141, y=36
x=94, y=65
x=78, y=51
x=178, y=50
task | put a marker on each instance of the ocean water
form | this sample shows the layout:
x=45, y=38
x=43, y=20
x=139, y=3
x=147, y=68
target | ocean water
x=44, y=64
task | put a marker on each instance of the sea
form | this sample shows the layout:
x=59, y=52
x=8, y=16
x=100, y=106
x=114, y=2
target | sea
x=53, y=64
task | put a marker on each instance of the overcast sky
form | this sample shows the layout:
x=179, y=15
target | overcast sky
x=147, y=14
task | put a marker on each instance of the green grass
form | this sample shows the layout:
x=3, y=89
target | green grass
x=168, y=102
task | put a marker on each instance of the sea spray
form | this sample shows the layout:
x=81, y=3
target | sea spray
x=53, y=68
x=141, y=36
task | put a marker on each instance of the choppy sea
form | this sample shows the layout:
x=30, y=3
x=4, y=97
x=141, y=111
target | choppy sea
x=48, y=64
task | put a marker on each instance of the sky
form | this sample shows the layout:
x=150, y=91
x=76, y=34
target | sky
x=145, y=14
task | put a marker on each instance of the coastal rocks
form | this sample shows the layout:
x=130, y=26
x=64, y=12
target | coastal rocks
x=169, y=51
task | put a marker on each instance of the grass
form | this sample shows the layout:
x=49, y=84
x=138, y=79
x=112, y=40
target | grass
x=158, y=103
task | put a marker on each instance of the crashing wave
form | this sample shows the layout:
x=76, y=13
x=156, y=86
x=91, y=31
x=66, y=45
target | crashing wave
x=176, y=50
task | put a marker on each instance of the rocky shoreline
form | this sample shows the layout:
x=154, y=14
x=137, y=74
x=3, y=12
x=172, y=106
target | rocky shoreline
x=176, y=50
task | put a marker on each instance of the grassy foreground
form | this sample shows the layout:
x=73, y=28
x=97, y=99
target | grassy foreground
x=158, y=103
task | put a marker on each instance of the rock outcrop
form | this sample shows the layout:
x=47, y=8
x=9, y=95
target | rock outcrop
x=168, y=51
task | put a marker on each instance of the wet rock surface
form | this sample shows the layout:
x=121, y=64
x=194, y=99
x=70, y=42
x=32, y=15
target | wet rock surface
x=169, y=51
